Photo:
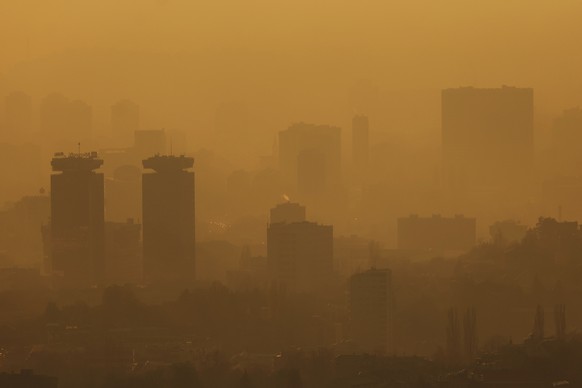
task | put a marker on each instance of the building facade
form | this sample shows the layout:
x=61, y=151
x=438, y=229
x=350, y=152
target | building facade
x=487, y=138
x=288, y=212
x=168, y=200
x=371, y=311
x=300, y=254
x=77, y=231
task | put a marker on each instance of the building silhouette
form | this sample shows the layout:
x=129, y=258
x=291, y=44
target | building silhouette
x=65, y=123
x=168, y=200
x=124, y=120
x=438, y=233
x=371, y=311
x=288, y=212
x=312, y=174
x=321, y=140
x=352, y=254
x=54, y=121
x=487, y=138
x=77, y=231
x=299, y=253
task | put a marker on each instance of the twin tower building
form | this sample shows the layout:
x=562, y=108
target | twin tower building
x=77, y=251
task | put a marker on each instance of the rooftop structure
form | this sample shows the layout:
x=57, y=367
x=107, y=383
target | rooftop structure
x=77, y=219
x=76, y=162
x=288, y=212
x=166, y=163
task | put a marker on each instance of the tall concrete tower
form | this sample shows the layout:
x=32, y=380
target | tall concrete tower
x=371, y=311
x=168, y=220
x=77, y=219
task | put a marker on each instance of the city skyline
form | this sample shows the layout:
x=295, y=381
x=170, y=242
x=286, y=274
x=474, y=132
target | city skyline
x=306, y=194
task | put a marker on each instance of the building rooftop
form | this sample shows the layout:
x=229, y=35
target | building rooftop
x=165, y=163
x=76, y=161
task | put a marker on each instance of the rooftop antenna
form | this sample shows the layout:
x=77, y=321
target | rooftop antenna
x=79, y=147
x=171, y=147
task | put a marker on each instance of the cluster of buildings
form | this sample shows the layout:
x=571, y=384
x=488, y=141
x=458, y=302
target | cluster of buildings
x=149, y=236
x=85, y=250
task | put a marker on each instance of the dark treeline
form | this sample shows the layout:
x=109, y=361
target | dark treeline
x=215, y=336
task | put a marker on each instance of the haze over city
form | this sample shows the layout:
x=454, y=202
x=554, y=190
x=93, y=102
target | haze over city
x=290, y=194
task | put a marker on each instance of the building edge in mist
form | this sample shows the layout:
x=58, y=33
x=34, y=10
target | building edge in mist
x=299, y=252
x=288, y=212
x=168, y=201
x=77, y=226
x=371, y=307
x=487, y=138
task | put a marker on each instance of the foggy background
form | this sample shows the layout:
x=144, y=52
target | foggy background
x=225, y=79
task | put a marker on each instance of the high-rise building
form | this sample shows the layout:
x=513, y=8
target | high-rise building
x=168, y=219
x=300, y=254
x=360, y=143
x=77, y=219
x=371, y=311
x=54, y=121
x=317, y=139
x=65, y=123
x=352, y=254
x=312, y=174
x=487, y=138
x=288, y=212
x=124, y=120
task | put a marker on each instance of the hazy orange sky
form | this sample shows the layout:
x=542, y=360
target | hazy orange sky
x=495, y=31
x=294, y=58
